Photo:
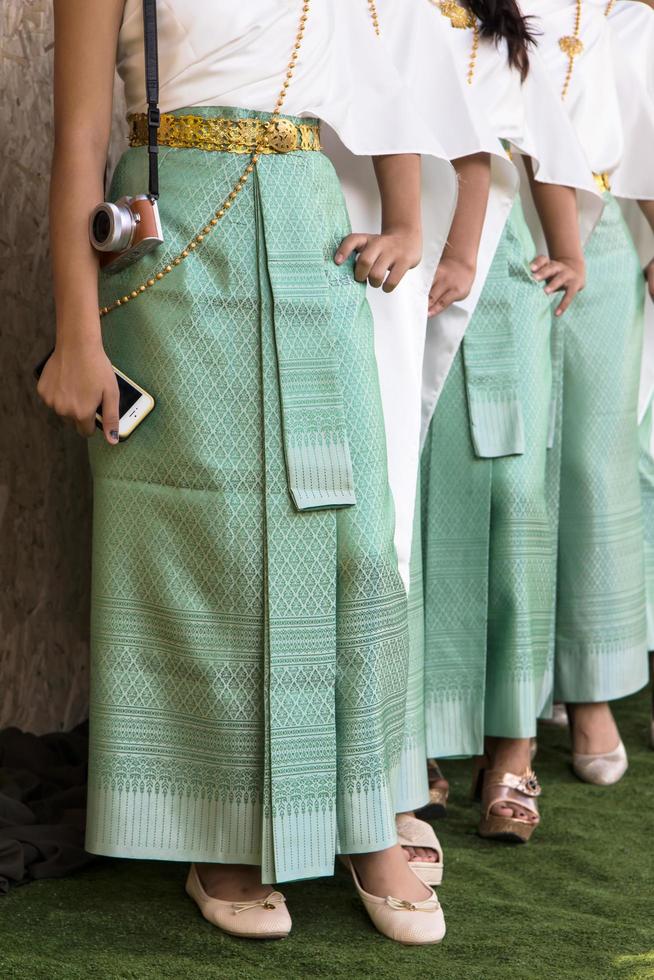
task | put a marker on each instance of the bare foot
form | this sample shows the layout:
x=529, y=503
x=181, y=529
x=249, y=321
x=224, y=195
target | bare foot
x=593, y=728
x=233, y=882
x=511, y=755
x=386, y=872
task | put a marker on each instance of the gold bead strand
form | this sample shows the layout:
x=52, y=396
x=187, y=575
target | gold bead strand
x=473, y=53
x=372, y=6
x=572, y=45
x=609, y=7
x=220, y=213
x=462, y=19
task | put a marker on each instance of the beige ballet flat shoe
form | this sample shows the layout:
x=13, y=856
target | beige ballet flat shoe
x=412, y=832
x=409, y=923
x=602, y=769
x=266, y=918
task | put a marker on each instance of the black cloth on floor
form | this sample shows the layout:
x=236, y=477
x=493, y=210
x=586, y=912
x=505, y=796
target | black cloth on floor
x=42, y=805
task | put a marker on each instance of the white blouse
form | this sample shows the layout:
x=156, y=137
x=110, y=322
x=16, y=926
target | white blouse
x=632, y=39
x=631, y=28
x=591, y=100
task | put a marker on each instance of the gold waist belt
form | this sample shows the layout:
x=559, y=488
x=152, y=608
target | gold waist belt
x=224, y=135
x=602, y=181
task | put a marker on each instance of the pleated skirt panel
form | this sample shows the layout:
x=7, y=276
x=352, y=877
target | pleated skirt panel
x=600, y=618
x=249, y=659
x=487, y=537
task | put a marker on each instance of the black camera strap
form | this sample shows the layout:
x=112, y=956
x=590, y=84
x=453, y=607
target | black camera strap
x=152, y=92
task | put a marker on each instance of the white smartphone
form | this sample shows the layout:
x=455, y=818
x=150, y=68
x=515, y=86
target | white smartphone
x=135, y=402
x=135, y=405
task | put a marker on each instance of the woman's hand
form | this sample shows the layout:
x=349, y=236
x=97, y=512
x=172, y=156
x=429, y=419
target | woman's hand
x=567, y=275
x=383, y=260
x=75, y=381
x=453, y=280
x=649, y=277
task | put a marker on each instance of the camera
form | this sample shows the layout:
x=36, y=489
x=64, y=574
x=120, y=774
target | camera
x=125, y=231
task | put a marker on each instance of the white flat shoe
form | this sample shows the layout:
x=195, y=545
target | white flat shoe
x=559, y=716
x=266, y=918
x=602, y=769
x=409, y=923
x=412, y=832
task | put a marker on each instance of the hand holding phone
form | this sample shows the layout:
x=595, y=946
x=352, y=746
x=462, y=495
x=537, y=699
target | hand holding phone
x=133, y=403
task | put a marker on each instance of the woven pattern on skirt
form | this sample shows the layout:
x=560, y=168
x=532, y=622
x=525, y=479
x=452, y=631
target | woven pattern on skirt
x=487, y=539
x=248, y=659
x=601, y=629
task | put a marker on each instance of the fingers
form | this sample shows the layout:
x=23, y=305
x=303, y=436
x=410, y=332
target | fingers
x=446, y=299
x=396, y=275
x=558, y=282
x=546, y=270
x=379, y=270
x=110, y=413
x=365, y=263
x=353, y=243
x=86, y=427
x=568, y=297
x=539, y=262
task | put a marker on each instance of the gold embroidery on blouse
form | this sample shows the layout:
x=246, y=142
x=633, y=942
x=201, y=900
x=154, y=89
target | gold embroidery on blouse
x=462, y=19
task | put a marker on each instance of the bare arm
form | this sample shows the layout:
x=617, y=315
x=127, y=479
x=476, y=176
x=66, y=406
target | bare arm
x=647, y=207
x=79, y=377
x=385, y=259
x=456, y=271
x=565, y=269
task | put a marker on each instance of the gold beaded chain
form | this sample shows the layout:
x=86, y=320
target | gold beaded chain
x=461, y=18
x=372, y=6
x=236, y=190
x=572, y=45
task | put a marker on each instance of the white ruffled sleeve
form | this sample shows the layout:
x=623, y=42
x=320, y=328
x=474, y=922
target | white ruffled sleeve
x=632, y=44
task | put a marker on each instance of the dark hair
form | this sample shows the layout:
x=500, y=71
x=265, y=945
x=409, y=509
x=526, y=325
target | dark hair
x=502, y=19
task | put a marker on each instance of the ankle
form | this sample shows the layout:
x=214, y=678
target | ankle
x=232, y=882
x=511, y=754
x=593, y=728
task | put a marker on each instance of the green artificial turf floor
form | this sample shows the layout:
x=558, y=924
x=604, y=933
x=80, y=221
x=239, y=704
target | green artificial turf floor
x=578, y=901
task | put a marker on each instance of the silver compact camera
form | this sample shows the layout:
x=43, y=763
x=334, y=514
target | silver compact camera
x=125, y=231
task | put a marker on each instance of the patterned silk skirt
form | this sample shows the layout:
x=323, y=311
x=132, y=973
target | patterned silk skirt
x=249, y=650
x=486, y=535
x=601, y=630
x=646, y=468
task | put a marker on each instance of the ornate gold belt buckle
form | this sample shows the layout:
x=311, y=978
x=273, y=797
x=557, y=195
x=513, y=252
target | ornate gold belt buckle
x=281, y=136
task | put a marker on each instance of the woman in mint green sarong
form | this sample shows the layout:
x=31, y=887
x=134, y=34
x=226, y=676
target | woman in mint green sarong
x=486, y=536
x=249, y=625
x=601, y=649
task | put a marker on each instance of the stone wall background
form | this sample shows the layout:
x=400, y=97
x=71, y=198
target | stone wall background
x=45, y=494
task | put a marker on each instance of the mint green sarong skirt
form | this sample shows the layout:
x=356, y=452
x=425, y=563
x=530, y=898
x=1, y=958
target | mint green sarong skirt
x=249, y=626
x=601, y=649
x=646, y=469
x=486, y=535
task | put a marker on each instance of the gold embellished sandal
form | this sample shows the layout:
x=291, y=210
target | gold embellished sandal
x=493, y=786
x=438, y=795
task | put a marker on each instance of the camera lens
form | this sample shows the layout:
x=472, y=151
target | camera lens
x=111, y=226
x=101, y=227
